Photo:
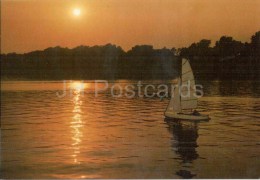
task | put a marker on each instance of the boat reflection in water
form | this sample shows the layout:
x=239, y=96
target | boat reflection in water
x=184, y=144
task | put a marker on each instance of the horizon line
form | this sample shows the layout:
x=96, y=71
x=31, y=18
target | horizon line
x=212, y=44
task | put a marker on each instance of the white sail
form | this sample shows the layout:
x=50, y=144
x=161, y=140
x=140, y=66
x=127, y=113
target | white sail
x=189, y=99
x=175, y=102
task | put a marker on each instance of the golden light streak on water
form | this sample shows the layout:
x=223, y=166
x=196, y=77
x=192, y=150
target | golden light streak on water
x=76, y=124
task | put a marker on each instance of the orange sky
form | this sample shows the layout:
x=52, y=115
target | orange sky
x=37, y=24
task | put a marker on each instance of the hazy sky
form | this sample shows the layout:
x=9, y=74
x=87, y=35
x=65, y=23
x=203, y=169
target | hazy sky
x=37, y=24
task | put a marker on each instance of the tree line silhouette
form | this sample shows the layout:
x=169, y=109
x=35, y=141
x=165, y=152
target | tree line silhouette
x=227, y=59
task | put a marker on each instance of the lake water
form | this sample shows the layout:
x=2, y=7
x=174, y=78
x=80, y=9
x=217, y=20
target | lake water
x=83, y=136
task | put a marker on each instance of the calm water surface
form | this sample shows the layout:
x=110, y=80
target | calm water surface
x=83, y=136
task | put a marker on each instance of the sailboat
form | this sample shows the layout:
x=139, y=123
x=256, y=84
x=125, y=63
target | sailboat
x=181, y=105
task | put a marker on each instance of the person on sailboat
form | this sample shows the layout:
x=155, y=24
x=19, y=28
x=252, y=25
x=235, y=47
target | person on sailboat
x=196, y=113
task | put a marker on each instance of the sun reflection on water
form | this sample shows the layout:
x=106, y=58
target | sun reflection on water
x=78, y=86
x=76, y=126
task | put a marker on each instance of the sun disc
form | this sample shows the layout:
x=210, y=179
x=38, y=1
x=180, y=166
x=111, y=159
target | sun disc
x=77, y=12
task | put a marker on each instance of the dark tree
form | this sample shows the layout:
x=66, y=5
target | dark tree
x=255, y=43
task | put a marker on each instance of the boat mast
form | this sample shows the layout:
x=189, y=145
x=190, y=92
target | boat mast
x=180, y=84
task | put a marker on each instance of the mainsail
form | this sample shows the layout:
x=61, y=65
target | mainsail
x=184, y=95
x=189, y=99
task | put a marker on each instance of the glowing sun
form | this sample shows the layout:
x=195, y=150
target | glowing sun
x=76, y=12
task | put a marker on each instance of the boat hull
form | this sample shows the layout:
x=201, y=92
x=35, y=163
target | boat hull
x=187, y=117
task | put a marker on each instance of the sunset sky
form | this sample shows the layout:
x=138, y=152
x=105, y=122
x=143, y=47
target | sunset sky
x=28, y=25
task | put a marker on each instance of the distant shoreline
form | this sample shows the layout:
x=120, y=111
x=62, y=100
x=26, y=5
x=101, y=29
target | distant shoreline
x=227, y=60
